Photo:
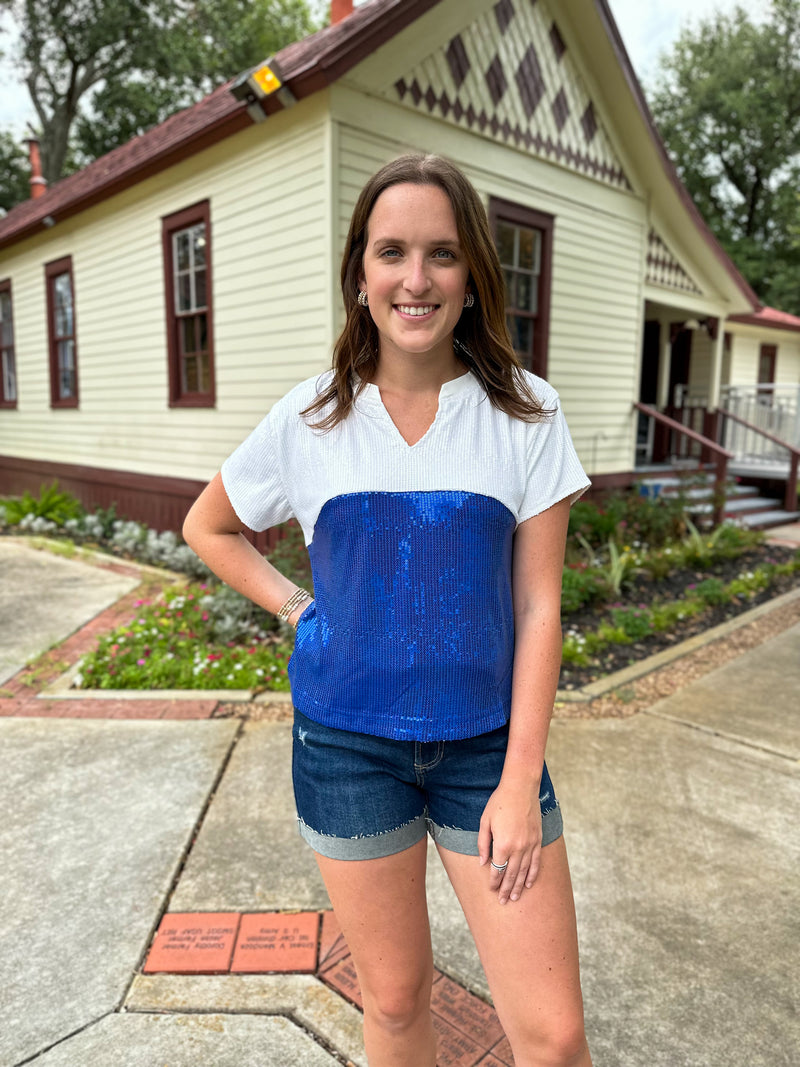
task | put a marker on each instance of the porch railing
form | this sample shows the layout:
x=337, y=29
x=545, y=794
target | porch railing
x=690, y=410
x=778, y=446
x=721, y=455
x=772, y=408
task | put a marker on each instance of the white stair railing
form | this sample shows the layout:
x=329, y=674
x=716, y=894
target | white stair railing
x=773, y=408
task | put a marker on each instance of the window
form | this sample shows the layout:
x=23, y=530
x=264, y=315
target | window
x=186, y=238
x=61, y=332
x=524, y=240
x=8, y=365
x=767, y=358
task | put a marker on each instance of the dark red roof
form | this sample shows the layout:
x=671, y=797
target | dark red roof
x=307, y=66
x=770, y=318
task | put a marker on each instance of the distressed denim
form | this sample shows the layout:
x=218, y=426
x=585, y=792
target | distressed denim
x=359, y=796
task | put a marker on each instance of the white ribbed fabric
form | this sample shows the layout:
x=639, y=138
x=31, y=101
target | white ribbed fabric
x=286, y=469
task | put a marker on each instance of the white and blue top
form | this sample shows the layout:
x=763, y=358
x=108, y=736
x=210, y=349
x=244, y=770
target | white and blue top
x=411, y=633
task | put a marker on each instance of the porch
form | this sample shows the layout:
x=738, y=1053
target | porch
x=692, y=414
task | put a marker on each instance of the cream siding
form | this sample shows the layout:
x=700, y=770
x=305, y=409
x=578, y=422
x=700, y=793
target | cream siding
x=268, y=189
x=598, y=261
x=746, y=342
x=700, y=363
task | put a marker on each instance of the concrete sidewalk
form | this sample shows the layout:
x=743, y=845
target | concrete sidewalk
x=681, y=825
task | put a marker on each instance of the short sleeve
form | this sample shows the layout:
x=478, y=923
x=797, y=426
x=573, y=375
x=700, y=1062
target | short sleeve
x=253, y=479
x=554, y=471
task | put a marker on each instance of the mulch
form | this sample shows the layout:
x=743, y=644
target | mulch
x=643, y=590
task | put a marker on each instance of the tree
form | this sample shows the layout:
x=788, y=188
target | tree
x=727, y=103
x=101, y=71
x=14, y=172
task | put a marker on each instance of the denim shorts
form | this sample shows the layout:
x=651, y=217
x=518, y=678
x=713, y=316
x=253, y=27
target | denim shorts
x=362, y=797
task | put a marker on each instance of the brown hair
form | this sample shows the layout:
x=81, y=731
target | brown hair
x=481, y=337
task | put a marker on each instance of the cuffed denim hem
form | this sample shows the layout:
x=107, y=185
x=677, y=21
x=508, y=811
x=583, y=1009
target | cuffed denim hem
x=365, y=847
x=466, y=841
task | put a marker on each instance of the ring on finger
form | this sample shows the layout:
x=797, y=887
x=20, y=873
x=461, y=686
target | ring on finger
x=499, y=866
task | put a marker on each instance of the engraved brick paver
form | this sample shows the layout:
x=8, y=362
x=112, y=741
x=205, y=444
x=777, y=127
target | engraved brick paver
x=466, y=1012
x=332, y=945
x=274, y=942
x=343, y=978
x=502, y=1052
x=456, y=1049
x=491, y=1061
x=188, y=943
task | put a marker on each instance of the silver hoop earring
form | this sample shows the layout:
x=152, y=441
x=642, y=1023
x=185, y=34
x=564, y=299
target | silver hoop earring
x=469, y=300
x=363, y=299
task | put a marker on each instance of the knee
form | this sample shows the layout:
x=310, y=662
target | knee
x=562, y=1044
x=398, y=1006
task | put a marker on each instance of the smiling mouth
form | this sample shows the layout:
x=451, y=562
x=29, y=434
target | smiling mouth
x=416, y=311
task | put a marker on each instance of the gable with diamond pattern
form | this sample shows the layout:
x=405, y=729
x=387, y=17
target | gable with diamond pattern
x=664, y=269
x=509, y=76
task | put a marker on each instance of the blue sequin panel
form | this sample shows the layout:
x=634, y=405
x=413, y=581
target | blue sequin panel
x=411, y=634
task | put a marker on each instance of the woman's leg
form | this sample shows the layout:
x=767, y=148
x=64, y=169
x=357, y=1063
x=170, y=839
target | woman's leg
x=529, y=951
x=383, y=913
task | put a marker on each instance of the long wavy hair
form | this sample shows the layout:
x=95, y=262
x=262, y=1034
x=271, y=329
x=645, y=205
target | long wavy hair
x=481, y=338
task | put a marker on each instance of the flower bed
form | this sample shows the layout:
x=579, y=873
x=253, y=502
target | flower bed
x=655, y=613
x=639, y=577
x=173, y=644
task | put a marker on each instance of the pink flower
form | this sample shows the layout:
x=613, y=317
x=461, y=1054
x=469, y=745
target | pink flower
x=205, y=616
x=141, y=662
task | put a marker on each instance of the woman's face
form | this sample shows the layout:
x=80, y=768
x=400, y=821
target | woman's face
x=414, y=271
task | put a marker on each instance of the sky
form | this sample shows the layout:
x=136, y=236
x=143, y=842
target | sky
x=647, y=27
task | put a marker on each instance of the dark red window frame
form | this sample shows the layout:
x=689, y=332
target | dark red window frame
x=178, y=327
x=56, y=336
x=518, y=215
x=767, y=362
x=6, y=350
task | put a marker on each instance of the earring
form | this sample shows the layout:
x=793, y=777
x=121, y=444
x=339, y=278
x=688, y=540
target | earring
x=363, y=298
x=469, y=300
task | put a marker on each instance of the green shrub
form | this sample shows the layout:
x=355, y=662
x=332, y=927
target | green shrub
x=635, y=623
x=612, y=635
x=636, y=519
x=713, y=592
x=749, y=583
x=52, y=505
x=580, y=586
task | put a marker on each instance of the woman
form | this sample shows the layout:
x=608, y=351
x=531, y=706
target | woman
x=432, y=477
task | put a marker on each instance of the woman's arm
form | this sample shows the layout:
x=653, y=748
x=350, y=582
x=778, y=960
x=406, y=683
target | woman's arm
x=216, y=534
x=511, y=825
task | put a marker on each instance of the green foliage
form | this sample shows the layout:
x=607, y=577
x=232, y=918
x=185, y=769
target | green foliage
x=727, y=103
x=713, y=591
x=580, y=586
x=749, y=583
x=620, y=566
x=52, y=504
x=14, y=172
x=701, y=548
x=175, y=643
x=659, y=563
x=290, y=555
x=638, y=519
x=635, y=623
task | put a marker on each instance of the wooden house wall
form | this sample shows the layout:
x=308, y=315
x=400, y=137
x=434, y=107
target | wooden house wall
x=596, y=314
x=268, y=189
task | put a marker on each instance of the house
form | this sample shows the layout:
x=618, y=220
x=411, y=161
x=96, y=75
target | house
x=158, y=302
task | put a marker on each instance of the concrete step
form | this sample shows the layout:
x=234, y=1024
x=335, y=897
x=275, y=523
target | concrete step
x=766, y=520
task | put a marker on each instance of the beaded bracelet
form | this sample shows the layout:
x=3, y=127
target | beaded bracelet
x=294, y=601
